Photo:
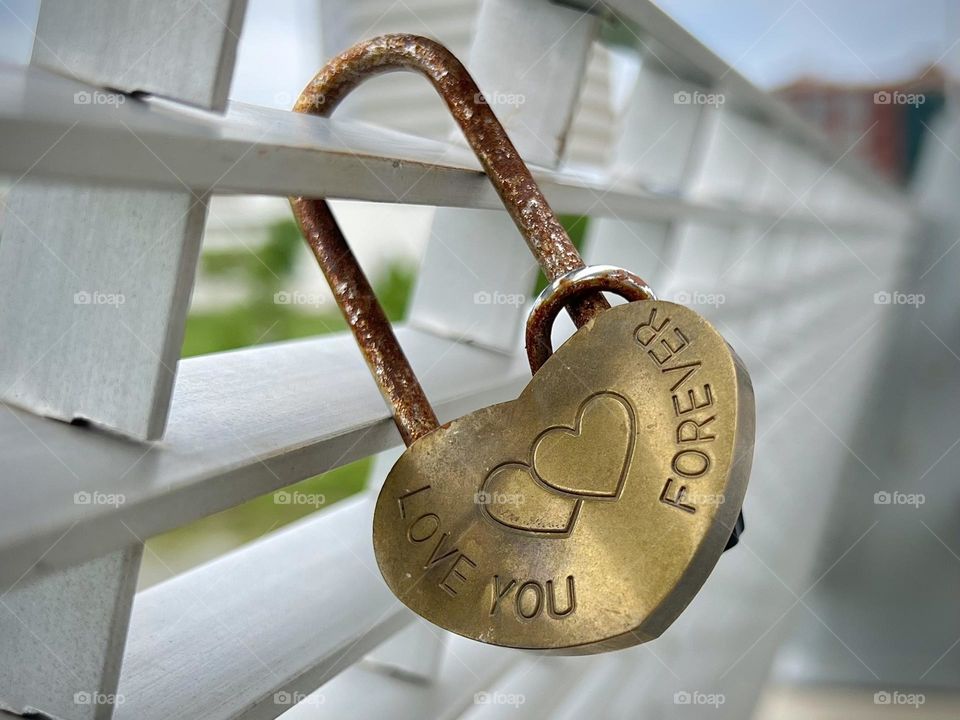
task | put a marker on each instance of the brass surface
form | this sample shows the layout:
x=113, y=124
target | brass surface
x=584, y=515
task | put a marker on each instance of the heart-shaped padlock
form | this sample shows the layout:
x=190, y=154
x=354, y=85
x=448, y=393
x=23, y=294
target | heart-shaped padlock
x=585, y=514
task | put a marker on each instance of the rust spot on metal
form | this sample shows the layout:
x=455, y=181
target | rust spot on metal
x=500, y=160
x=390, y=368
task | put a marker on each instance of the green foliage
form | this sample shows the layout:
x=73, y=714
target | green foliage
x=253, y=324
x=265, y=271
x=394, y=290
x=260, y=268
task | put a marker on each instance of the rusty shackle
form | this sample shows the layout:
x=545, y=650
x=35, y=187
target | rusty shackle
x=512, y=180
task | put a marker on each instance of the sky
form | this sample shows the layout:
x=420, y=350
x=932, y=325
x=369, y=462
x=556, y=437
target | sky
x=769, y=41
x=772, y=42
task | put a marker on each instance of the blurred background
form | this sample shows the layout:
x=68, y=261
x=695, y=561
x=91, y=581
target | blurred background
x=840, y=65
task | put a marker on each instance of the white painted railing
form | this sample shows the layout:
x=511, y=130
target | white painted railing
x=741, y=209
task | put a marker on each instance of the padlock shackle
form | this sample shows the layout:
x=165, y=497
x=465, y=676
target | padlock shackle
x=502, y=163
x=560, y=291
x=547, y=238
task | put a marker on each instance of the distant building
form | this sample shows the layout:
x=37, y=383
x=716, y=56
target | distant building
x=897, y=113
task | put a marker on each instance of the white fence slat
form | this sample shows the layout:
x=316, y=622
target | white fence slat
x=534, y=688
x=732, y=158
x=413, y=654
x=63, y=636
x=314, y=156
x=361, y=692
x=183, y=49
x=66, y=353
x=250, y=633
x=529, y=59
x=242, y=423
x=475, y=278
x=641, y=247
x=659, y=126
x=600, y=682
x=655, y=141
x=98, y=339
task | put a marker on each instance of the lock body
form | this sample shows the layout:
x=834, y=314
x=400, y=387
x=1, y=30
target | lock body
x=584, y=515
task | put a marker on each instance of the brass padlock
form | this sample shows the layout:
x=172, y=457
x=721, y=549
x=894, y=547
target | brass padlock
x=584, y=515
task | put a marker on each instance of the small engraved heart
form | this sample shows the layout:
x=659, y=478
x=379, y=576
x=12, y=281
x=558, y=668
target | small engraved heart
x=592, y=458
x=512, y=496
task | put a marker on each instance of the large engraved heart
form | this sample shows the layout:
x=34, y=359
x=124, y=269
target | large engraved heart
x=525, y=524
x=592, y=458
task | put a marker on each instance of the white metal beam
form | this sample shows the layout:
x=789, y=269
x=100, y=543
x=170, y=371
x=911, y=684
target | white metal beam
x=245, y=635
x=275, y=152
x=68, y=355
x=99, y=339
x=63, y=637
x=243, y=423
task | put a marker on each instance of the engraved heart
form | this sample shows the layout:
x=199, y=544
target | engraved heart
x=512, y=496
x=592, y=458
